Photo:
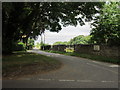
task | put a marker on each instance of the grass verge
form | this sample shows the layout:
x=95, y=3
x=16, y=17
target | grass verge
x=89, y=56
x=23, y=63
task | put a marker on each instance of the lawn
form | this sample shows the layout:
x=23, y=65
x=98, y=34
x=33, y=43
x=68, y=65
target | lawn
x=23, y=63
x=89, y=56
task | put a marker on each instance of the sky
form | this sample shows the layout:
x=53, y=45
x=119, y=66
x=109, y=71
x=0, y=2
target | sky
x=65, y=34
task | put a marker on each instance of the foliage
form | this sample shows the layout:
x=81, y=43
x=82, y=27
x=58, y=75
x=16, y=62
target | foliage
x=81, y=39
x=22, y=20
x=44, y=46
x=30, y=43
x=41, y=45
x=60, y=43
x=37, y=45
x=21, y=43
x=107, y=25
x=19, y=46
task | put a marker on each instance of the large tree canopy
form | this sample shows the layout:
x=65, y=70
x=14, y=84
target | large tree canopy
x=107, y=25
x=29, y=19
x=81, y=39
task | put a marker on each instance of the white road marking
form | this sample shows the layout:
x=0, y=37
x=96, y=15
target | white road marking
x=105, y=64
x=107, y=81
x=114, y=66
x=96, y=62
x=57, y=54
x=50, y=55
x=101, y=63
x=45, y=79
x=66, y=80
x=85, y=81
x=102, y=68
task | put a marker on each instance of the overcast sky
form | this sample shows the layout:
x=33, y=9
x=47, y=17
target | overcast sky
x=65, y=34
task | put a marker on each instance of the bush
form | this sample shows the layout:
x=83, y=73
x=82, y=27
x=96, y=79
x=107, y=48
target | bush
x=20, y=47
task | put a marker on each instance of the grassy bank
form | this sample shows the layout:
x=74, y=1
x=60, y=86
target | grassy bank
x=89, y=56
x=24, y=63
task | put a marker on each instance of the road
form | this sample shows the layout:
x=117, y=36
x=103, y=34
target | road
x=76, y=72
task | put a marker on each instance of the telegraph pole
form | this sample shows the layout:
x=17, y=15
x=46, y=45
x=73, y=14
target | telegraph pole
x=41, y=39
x=44, y=37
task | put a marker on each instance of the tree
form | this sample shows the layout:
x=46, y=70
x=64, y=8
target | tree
x=107, y=25
x=60, y=43
x=81, y=39
x=37, y=45
x=22, y=20
x=30, y=43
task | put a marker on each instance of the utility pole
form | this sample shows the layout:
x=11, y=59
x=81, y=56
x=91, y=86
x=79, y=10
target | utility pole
x=41, y=39
x=44, y=39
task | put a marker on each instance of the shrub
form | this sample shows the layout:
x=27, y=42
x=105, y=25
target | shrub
x=20, y=47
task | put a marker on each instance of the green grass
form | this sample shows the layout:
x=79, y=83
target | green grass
x=90, y=56
x=22, y=59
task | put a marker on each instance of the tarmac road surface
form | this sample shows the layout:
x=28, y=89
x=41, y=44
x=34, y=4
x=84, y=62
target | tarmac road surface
x=76, y=72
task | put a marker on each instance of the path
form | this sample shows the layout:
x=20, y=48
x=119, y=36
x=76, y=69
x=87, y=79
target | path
x=76, y=72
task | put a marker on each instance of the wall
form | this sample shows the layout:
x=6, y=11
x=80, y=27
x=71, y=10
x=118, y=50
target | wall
x=109, y=51
x=59, y=48
x=83, y=48
x=103, y=50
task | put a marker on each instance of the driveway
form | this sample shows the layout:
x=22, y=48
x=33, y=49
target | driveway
x=76, y=72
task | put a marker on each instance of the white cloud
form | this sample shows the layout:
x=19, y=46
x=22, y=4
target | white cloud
x=66, y=33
